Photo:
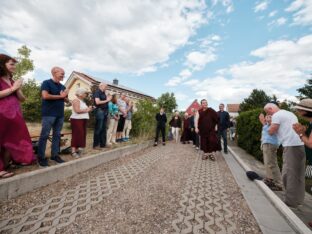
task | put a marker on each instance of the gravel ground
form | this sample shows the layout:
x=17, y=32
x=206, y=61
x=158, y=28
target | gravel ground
x=148, y=203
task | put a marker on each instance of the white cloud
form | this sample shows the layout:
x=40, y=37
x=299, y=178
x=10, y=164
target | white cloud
x=272, y=13
x=197, y=60
x=302, y=12
x=180, y=96
x=283, y=65
x=278, y=22
x=103, y=36
x=261, y=6
x=228, y=4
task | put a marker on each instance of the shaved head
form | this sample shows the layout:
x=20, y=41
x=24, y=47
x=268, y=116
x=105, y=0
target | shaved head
x=58, y=74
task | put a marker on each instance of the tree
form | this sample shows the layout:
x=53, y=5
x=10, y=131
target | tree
x=306, y=91
x=257, y=99
x=32, y=106
x=25, y=64
x=167, y=101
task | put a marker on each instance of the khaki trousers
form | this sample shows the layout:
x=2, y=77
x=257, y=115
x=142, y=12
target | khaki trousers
x=176, y=134
x=111, y=131
x=293, y=174
x=270, y=162
x=127, y=128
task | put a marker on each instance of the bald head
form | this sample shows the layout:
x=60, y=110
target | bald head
x=57, y=74
x=102, y=86
x=271, y=108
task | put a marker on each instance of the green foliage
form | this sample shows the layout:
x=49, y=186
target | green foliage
x=31, y=107
x=25, y=64
x=143, y=120
x=257, y=99
x=67, y=114
x=249, y=132
x=167, y=101
x=306, y=91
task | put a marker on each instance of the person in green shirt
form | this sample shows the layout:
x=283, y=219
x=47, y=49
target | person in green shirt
x=113, y=118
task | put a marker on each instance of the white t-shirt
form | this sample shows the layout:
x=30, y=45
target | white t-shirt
x=286, y=134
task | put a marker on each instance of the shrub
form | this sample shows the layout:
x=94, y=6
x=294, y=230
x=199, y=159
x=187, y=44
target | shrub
x=249, y=132
x=143, y=120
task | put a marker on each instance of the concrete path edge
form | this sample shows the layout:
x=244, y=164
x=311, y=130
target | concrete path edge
x=26, y=182
x=285, y=211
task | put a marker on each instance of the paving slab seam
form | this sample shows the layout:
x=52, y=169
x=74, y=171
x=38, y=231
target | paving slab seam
x=60, y=211
x=21, y=184
x=281, y=207
x=204, y=203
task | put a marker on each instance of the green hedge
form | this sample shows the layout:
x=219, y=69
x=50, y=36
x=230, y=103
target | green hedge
x=249, y=132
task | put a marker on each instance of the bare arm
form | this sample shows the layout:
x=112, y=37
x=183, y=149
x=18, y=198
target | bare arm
x=6, y=92
x=76, y=107
x=273, y=129
x=20, y=95
x=46, y=96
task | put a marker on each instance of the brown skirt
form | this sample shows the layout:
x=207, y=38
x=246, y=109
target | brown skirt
x=79, y=132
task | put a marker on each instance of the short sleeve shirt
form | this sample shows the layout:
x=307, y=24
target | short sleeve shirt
x=122, y=105
x=112, y=109
x=285, y=134
x=102, y=96
x=54, y=108
x=267, y=138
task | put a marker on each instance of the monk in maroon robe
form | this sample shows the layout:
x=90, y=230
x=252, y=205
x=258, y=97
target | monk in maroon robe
x=206, y=121
x=186, y=136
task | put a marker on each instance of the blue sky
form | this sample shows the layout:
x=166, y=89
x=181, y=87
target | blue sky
x=217, y=49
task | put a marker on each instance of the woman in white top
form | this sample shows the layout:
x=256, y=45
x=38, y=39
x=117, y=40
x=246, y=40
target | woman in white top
x=78, y=120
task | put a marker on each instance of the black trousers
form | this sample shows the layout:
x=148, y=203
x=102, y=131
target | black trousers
x=195, y=138
x=161, y=129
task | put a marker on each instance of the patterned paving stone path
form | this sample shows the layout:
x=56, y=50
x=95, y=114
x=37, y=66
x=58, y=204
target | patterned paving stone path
x=208, y=199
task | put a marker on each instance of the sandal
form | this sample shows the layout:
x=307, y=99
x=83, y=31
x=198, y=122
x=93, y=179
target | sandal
x=205, y=157
x=75, y=155
x=212, y=157
x=6, y=174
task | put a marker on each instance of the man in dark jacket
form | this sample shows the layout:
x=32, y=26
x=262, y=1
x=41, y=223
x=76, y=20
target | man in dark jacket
x=224, y=124
x=161, y=119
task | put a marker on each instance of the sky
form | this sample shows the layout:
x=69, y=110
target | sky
x=219, y=50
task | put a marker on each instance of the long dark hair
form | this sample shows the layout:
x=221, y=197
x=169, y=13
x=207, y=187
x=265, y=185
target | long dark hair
x=3, y=60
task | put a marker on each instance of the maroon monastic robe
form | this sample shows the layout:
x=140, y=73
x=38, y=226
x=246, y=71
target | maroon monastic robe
x=208, y=119
x=186, y=136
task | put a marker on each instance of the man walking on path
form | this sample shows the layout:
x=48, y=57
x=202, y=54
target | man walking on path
x=101, y=112
x=206, y=123
x=161, y=119
x=294, y=157
x=53, y=94
x=223, y=125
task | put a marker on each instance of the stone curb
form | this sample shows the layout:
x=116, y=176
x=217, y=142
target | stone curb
x=26, y=182
x=284, y=210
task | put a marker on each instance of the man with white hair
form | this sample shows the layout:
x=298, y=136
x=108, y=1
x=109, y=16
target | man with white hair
x=293, y=171
x=101, y=112
x=53, y=94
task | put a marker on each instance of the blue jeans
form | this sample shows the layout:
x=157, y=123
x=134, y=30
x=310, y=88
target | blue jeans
x=48, y=123
x=99, y=138
x=223, y=134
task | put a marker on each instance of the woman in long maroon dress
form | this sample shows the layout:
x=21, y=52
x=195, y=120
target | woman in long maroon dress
x=15, y=142
x=206, y=121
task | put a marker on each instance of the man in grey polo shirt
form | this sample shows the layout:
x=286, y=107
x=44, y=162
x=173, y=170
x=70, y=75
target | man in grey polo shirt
x=293, y=171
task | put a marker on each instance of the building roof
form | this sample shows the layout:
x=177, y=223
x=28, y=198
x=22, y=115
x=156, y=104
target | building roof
x=96, y=81
x=194, y=105
x=232, y=107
